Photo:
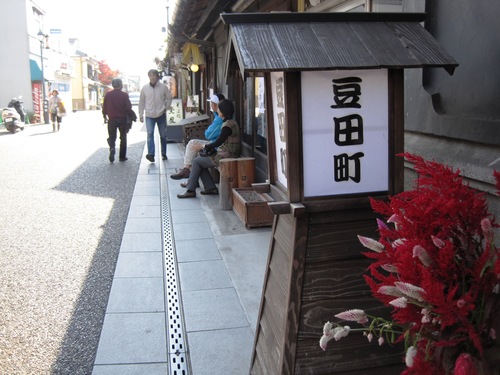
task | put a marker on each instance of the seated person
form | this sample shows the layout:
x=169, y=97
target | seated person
x=195, y=145
x=227, y=145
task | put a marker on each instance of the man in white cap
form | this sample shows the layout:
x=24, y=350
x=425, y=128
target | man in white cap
x=195, y=145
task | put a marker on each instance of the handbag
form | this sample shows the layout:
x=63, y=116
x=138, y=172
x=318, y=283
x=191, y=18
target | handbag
x=61, y=111
x=205, y=152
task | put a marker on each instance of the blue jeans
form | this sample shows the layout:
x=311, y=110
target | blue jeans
x=162, y=129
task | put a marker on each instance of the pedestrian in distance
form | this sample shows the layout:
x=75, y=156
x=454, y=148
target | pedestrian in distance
x=195, y=145
x=56, y=109
x=116, y=109
x=154, y=101
x=227, y=145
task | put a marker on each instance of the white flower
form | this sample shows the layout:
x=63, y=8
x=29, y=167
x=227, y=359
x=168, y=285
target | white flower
x=493, y=333
x=371, y=244
x=420, y=253
x=380, y=341
x=410, y=356
x=327, y=335
x=390, y=268
x=323, y=341
x=393, y=219
x=390, y=291
x=438, y=242
x=400, y=302
x=410, y=290
x=355, y=315
x=486, y=226
x=398, y=242
x=381, y=224
x=426, y=318
x=327, y=328
x=340, y=332
x=369, y=337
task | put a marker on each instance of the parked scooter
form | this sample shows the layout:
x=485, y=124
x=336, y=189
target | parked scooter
x=13, y=117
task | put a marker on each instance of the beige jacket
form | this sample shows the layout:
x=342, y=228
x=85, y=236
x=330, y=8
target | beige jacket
x=154, y=101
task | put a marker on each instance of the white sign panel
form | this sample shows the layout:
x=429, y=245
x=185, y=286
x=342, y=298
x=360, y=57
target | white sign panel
x=279, y=111
x=345, y=132
x=175, y=113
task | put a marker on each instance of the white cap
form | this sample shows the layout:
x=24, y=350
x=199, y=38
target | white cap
x=214, y=98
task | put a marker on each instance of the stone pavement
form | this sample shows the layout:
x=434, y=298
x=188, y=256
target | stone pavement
x=187, y=285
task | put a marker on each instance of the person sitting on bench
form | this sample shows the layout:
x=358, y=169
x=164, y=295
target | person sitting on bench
x=227, y=145
x=195, y=145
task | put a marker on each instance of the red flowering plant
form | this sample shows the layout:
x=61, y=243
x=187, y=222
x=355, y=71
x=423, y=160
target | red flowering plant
x=437, y=265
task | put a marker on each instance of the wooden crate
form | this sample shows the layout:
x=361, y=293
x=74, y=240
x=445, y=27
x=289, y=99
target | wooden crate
x=251, y=207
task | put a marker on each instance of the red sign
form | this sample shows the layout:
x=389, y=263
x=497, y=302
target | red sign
x=37, y=99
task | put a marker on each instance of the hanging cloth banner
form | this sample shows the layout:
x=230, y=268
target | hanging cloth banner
x=191, y=54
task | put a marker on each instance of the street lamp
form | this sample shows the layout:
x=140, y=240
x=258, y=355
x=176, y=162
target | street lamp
x=45, y=105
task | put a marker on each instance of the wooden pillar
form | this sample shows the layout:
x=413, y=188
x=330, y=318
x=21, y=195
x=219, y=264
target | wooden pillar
x=228, y=169
x=246, y=172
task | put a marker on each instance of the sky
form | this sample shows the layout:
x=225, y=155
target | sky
x=127, y=35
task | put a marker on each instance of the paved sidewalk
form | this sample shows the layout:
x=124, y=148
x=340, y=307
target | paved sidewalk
x=220, y=266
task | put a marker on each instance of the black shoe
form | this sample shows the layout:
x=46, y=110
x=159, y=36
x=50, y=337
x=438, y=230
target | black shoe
x=213, y=191
x=164, y=157
x=111, y=155
x=123, y=159
x=151, y=158
x=187, y=194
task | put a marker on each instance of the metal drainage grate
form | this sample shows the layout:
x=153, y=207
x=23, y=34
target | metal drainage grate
x=176, y=343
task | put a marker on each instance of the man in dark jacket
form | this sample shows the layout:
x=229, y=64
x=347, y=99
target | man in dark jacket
x=115, y=109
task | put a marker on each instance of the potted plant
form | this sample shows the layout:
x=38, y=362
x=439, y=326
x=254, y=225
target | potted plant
x=437, y=266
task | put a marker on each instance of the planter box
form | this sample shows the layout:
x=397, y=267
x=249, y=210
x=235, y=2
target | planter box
x=251, y=207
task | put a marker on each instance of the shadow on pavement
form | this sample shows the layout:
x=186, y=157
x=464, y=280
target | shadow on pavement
x=97, y=177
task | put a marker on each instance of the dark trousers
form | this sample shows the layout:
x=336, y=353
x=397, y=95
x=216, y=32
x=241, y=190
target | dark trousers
x=113, y=126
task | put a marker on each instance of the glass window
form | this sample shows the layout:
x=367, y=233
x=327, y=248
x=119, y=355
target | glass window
x=354, y=6
x=381, y=6
x=255, y=127
x=260, y=115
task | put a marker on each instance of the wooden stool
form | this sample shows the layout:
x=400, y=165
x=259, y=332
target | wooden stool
x=246, y=172
x=228, y=169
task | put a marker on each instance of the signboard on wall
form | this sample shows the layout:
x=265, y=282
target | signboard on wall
x=279, y=111
x=345, y=132
x=175, y=113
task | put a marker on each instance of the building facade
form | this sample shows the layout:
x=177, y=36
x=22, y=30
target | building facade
x=449, y=119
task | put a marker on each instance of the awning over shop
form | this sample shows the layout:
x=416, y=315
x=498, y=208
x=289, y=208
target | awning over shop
x=36, y=72
x=331, y=41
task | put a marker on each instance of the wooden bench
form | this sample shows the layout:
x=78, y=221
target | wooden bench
x=195, y=130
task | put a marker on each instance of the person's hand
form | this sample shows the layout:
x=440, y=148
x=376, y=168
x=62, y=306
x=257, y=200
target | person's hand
x=141, y=119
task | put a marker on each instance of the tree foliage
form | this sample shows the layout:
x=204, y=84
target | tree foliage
x=106, y=74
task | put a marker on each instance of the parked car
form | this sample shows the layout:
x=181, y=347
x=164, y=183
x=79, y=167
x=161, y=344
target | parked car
x=134, y=97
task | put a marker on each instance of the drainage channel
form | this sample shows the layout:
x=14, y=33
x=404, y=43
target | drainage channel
x=176, y=334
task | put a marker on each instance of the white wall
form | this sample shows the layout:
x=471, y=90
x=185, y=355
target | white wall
x=15, y=76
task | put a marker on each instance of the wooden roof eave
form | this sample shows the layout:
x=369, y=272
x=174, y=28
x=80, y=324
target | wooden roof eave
x=327, y=42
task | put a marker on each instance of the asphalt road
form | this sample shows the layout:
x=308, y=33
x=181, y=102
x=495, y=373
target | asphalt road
x=63, y=208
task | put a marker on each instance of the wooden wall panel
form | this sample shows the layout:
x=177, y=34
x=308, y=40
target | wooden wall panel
x=334, y=280
x=267, y=357
x=352, y=355
x=315, y=270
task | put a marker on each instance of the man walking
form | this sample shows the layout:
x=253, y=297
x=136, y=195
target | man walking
x=154, y=101
x=115, y=109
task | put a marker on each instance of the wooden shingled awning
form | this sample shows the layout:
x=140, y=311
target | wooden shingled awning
x=264, y=42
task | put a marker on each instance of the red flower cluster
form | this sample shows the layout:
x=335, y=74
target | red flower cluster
x=437, y=263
